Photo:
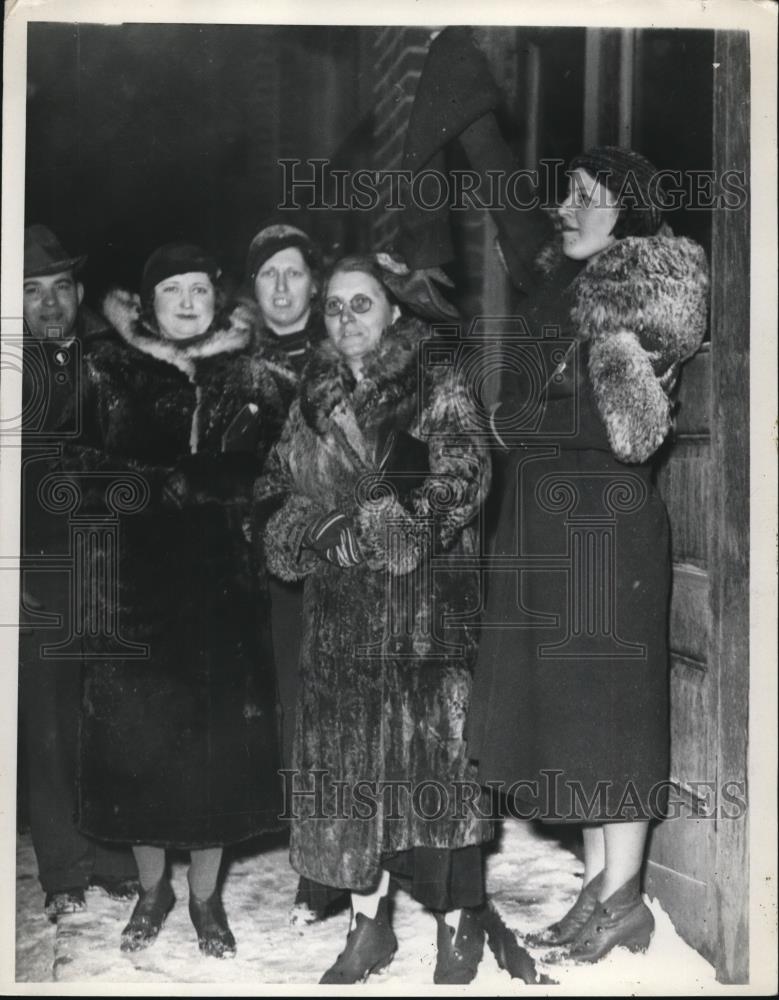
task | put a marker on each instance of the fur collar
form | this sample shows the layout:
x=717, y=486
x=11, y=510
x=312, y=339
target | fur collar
x=185, y=357
x=550, y=257
x=388, y=388
x=655, y=286
x=641, y=306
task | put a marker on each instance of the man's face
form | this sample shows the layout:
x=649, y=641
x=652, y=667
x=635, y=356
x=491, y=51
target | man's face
x=283, y=288
x=51, y=304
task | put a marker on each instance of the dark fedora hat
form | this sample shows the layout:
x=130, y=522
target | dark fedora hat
x=44, y=254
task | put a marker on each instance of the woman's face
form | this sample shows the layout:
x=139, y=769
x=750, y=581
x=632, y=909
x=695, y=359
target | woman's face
x=356, y=333
x=184, y=305
x=588, y=215
x=283, y=288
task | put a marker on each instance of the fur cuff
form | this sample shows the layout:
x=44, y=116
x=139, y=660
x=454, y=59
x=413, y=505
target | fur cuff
x=287, y=559
x=388, y=536
x=631, y=401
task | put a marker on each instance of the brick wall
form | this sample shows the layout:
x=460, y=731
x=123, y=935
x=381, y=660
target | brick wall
x=398, y=57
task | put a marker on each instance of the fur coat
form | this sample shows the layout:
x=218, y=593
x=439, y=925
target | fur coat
x=178, y=737
x=641, y=307
x=389, y=644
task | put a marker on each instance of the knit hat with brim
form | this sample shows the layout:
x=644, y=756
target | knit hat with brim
x=626, y=174
x=44, y=254
x=175, y=258
x=272, y=239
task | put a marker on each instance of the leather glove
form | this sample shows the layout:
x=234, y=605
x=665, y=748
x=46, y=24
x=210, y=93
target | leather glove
x=332, y=537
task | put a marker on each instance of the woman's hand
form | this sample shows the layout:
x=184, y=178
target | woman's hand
x=332, y=538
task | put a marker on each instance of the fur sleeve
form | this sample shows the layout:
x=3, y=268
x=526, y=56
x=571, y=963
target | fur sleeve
x=642, y=306
x=287, y=559
x=630, y=398
x=86, y=457
x=451, y=495
x=460, y=469
x=285, y=515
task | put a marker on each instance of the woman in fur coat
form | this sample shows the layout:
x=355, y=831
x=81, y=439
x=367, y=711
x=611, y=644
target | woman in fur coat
x=384, y=479
x=179, y=740
x=570, y=705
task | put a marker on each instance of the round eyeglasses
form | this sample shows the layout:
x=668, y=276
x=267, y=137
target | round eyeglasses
x=357, y=304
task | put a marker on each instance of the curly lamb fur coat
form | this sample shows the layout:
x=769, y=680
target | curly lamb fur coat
x=388, y=645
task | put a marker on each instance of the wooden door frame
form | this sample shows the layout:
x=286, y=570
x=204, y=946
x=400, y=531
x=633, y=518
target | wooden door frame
x=729, y=594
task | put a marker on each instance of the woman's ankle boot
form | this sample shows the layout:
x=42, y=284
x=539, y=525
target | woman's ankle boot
x=623, y=919
x=567, y=928
x=370, y=947
x=149, y=915
x=214, y=937
x=460, y=951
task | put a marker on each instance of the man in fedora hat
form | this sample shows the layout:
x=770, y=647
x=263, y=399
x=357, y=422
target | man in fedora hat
x=58, y=328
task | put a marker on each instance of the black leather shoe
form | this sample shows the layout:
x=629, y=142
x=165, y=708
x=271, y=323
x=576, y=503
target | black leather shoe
x=459, y=952
x=116, y=888
x=64, y=901
x=214, y=937
x=370, y=947
x=567, y=928
x=147, y=918
x=623, y=919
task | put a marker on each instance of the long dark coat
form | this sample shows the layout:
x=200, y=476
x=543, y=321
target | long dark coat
x=388, y=645
x=571, y=690
x=178, y=747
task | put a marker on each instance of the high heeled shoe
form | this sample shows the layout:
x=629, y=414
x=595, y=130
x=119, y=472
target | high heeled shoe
x=370, y=947
x=459, y=951
x=623, y=920
x=567, y=928
x=149, y=915
x=214, y=937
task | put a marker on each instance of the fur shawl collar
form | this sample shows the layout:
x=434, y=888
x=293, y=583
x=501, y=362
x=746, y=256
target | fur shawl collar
x=387, y=391
x=185, y=357
x=654, y=285
x=642, y=307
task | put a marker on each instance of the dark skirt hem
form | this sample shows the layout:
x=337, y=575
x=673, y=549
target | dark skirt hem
x=177, y=843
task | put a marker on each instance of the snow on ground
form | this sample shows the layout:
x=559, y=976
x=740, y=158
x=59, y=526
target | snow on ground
x=531, y=878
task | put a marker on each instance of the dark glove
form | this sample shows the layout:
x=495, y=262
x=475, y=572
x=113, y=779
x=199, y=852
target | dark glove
x=332, y=537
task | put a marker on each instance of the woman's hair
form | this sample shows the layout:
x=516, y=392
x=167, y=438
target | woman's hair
x=415, y=293
x=359, y=263
x=630, y=176
x=635, y=221
x=274, y=238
